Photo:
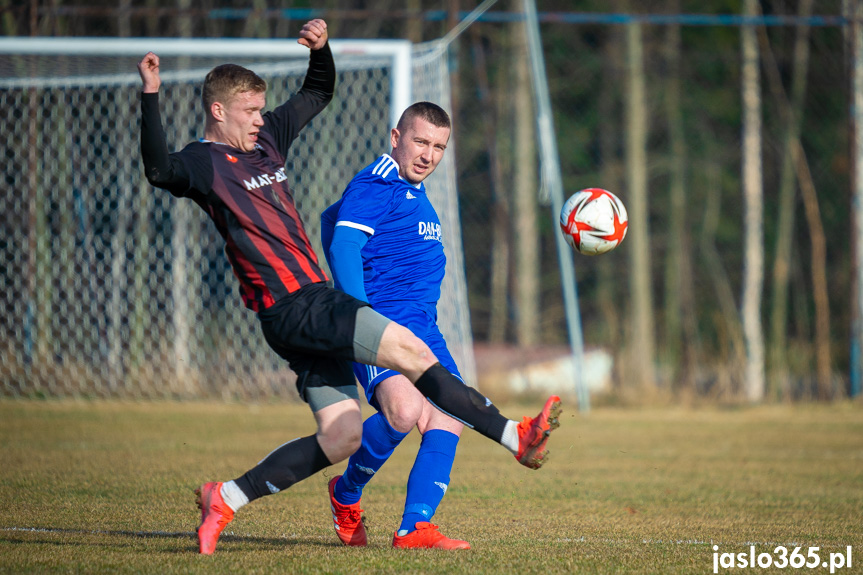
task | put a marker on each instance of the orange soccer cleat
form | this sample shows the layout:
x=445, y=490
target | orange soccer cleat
x=427, y=536
x=215, y=515
x=347, y=520
x=533, y=434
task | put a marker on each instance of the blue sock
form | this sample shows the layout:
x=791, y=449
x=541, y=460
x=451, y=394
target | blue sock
x=429, y=477
x=379, y=441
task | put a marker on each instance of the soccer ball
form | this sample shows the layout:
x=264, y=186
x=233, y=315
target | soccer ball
x=593, y=221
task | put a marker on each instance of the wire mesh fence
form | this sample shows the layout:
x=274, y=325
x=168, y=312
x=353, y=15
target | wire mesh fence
x=110, y=287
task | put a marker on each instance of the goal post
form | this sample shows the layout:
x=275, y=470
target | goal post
x=114, y=288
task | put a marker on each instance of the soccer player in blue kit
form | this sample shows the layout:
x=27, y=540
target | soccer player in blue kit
x=236, y=174
x=384, y=245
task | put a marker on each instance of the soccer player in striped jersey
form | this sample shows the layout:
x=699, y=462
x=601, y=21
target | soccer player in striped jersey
x=236, y=173
x=384, y=243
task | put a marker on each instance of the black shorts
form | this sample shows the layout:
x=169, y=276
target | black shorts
x=313, y=330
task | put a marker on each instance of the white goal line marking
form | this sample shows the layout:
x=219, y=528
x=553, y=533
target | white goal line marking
x=696, y=542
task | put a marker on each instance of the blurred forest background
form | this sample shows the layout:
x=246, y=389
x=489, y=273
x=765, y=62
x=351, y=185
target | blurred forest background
x=650, y=101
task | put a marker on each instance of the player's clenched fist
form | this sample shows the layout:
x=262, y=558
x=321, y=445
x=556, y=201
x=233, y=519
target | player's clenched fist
x=313, y=34
x=148, y=68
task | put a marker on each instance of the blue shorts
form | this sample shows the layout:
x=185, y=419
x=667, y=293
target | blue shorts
x=424, y=326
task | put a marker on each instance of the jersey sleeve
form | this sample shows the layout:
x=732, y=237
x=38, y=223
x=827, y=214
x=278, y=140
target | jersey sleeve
x=162, y=169
x=182, y=174
x=285, y=122
x=344, y=255
x=343, y=248
x=365, y=203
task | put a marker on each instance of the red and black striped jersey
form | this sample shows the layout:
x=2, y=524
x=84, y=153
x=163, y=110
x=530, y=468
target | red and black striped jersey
x=246, y=194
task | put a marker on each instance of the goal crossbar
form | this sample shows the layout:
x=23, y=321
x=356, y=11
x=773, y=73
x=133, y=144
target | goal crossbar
x=397, y=51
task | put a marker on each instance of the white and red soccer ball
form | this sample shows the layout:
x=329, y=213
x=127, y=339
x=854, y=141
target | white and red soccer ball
x=593, y=221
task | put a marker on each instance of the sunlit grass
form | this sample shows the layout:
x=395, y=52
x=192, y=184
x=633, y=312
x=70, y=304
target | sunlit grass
x=101, y=487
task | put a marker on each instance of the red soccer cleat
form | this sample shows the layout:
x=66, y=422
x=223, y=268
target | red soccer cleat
x=347, y=520
x=215, y=515
x=427, y=536
x=533, y=434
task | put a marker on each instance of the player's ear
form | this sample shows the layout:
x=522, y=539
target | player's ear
x=217, y=110
x=394, y=137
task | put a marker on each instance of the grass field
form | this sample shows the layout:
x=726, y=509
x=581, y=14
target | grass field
x=105, y=487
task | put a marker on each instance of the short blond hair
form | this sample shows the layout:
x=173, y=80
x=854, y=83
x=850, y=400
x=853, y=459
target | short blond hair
x=224, y=82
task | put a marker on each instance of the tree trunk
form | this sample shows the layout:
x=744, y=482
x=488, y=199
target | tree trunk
x=641, y=344
x=257, y=24
x=753, y=263
x=181, y=238
x=414, y=24
x=853, y=10
x=727, y=320
x=500, y=247
x=527, y=256
x=681, y=333
x=793, y=117
x=124, y=20
x=795, y=159
x=609, y=292
x=823, y=369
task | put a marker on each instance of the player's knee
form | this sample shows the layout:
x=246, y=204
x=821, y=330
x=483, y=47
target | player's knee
x=433, y=418
x=340, y=429
x=403, y=418
x=400, y=402
x=340, y=443
x=352, y=441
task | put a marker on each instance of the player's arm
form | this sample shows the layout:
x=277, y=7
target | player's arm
x=344, y=256
x=286, y=121
x=162, y=169
x=320, y=82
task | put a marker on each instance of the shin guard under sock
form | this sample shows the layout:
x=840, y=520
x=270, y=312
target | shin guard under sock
x=429, y=478
x=379, y=441
x=461, y=402
x=284, y=466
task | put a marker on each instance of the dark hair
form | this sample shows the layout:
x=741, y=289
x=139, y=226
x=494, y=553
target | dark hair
x=431, y=113
x=226, y=81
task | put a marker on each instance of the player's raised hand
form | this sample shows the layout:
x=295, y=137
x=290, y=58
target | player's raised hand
x=148, y=68
x=314, y=34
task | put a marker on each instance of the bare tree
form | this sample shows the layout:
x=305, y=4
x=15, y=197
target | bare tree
x=414, y=26
x=853, y=10
x=609, y=292
x=524, y=201
x=500, y=217
x=257, y=24
x=727, y=321
x=641, y=344
x=753, y=200
x=681, y=333
x=793, y=118
x=794, y=161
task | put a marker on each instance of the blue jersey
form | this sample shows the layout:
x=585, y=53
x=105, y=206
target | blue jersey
x=403, y=260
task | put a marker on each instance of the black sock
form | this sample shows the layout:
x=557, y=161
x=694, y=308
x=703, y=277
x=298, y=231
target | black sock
x=289, y=464
x=461, y=402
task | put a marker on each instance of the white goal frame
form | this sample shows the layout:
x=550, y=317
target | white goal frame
x=399, y=51
x=34, y=362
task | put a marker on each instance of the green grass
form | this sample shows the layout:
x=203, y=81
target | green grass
x=106, y=487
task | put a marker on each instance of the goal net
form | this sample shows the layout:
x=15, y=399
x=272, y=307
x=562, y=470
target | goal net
x=112, y=288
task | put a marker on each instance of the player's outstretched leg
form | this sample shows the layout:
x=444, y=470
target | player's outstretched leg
x=215, y=515
x=533, y=434
x=427, y=536
x=347, y=519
